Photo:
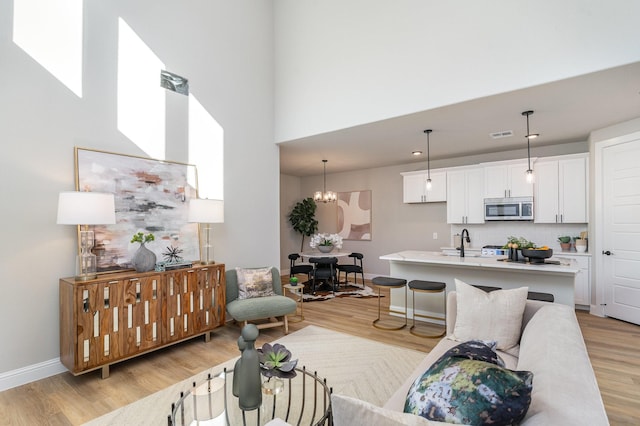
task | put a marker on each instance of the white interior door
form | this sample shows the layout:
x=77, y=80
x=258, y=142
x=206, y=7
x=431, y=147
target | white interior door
x=620, y=181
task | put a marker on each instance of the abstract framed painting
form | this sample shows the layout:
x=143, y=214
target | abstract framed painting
x=354, y=215
x=151, y=196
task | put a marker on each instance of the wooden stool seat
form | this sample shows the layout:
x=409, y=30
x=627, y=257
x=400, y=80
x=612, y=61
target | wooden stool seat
x=429, y=287
x=390, y=282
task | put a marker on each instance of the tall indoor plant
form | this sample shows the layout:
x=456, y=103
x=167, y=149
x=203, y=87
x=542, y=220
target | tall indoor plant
x=303, y=219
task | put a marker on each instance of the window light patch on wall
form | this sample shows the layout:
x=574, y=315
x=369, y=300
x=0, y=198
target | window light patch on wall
x=206, y=150
x=51, y=33
x=141, y=100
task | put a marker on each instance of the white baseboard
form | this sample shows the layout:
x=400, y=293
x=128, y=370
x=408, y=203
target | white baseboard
x=597, y=310
x=30, y=373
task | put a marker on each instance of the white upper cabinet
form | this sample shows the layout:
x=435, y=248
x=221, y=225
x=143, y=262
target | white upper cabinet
x=415, y=187
x=507, y=179
x=561, y=193
x=465, y=195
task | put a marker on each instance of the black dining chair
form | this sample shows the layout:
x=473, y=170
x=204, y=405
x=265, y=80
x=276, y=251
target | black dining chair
x=355, y=268
x=325, y=270
x=294, y=269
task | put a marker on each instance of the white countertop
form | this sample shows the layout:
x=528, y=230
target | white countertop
x=438, y=258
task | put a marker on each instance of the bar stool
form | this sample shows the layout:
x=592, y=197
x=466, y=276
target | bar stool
x=429, y=287
x=388, y=282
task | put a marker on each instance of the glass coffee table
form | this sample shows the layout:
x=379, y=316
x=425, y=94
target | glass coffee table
x=304, y=399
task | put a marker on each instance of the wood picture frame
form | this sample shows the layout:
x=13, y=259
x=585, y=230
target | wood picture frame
x=354, y=215
x=151, y=196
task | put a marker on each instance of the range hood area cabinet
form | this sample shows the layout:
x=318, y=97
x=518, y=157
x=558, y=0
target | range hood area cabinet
x=561, y=194
x=465, y=195
x=415, y=187
x=507, y=179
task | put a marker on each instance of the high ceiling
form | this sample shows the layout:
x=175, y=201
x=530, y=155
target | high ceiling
x=564, y=111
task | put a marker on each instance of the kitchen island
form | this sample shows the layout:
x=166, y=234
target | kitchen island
x=558, y=280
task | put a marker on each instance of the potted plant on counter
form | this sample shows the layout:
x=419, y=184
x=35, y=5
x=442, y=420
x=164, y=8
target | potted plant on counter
x=580, y=244
x=565, y=242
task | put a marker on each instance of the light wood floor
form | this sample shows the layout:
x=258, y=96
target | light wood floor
x=67, y=400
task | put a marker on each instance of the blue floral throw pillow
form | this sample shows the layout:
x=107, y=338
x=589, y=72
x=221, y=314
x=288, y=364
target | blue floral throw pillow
x=462, y=390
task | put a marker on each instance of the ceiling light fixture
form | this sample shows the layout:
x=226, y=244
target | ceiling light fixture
x=428, y=131
x=325, y=196
x=529, y=136
x=416, y=153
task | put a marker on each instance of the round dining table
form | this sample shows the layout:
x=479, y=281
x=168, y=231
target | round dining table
x=318, y=253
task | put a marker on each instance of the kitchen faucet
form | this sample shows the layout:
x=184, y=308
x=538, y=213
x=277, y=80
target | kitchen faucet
x=462, y=238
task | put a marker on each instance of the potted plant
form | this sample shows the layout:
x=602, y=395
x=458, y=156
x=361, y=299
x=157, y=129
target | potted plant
x=565, y=242
x=144, y=259
x=580, y=244
x=326, y=242
x=303, y=220
x=276, y=364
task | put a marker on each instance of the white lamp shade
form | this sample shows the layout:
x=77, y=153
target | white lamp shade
x=206, y=211
x=86, y=208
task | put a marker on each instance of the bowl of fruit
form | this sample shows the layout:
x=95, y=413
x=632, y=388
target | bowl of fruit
x=537, y=254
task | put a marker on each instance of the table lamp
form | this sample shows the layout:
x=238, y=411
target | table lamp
x=84, y=209
x=206, y=212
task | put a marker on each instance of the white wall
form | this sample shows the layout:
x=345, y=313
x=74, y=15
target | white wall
x=344, y=63
x=226, y=51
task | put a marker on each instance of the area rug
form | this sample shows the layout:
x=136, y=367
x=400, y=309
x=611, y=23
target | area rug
x=352, y=366
x=348, y=290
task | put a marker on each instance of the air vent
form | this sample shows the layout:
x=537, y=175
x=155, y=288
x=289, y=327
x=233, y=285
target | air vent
x=503, y=134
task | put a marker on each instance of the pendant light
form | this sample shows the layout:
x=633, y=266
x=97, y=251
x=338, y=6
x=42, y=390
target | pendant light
x=529, y=136
x=325, y=196
x=428, y=183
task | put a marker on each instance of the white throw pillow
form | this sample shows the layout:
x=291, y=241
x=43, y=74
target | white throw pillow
x=489, y=316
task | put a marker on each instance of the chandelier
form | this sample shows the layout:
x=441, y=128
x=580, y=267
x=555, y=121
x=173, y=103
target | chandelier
x=325, y=196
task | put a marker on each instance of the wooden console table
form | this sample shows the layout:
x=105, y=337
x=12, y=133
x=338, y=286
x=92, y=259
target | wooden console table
x=125, y=314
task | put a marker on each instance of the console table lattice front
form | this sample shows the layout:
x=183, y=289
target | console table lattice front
x=122, y=315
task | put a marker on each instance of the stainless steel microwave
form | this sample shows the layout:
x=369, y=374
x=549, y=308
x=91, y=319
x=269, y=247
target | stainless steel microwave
x=515, y=208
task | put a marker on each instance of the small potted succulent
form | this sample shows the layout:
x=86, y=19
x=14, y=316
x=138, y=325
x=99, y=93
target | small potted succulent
x=565, y=242
x=275, y=365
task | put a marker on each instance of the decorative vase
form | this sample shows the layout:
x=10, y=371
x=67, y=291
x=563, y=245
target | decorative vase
x=325, y=249
x=513, y=255
x=272, y=385
x=581, y=246
x=144, y=259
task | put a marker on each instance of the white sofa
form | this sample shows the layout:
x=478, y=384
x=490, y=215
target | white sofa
x=565, y=391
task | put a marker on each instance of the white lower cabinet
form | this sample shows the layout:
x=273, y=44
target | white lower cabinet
x=583, y=279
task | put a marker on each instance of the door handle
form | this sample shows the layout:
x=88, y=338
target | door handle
x=608, y=253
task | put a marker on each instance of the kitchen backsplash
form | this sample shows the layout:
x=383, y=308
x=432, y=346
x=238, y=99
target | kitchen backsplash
x=496, y=233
